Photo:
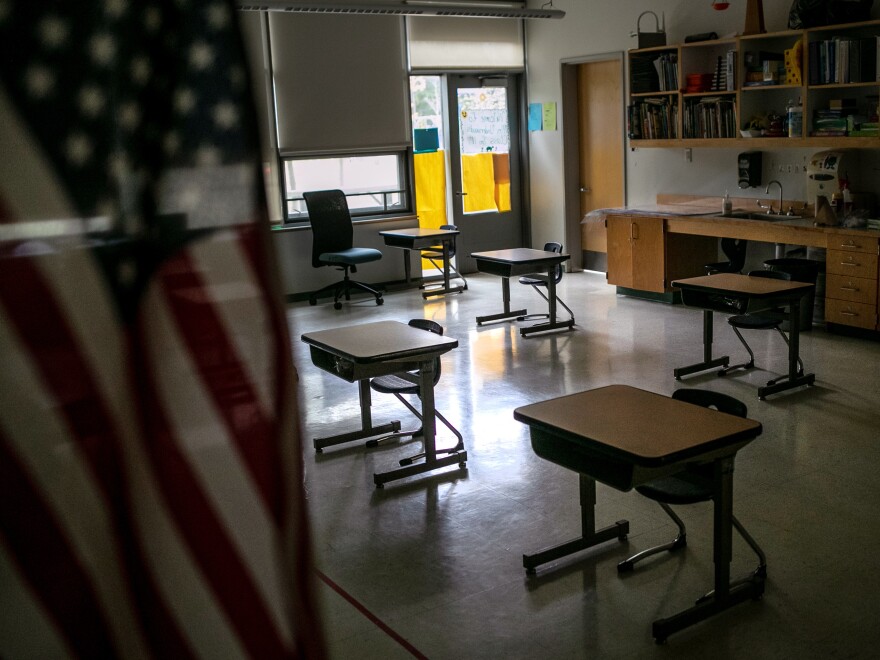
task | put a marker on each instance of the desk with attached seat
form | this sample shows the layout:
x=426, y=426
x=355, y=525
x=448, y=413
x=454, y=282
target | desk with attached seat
x=523, y=261
x=733, y=293
x=623, y=436
x=417, y=238
x=359, y=353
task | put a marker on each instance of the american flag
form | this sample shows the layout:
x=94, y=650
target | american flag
x=151, y=500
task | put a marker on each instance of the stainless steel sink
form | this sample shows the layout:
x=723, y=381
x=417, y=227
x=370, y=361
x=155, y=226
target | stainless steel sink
x=767, y=217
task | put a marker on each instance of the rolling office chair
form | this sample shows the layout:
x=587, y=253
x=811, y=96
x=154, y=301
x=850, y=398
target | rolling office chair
x=538, y=284
x=735, y=251
x=434, y=254
x=691, y=485
x=332, y=238
x=399, y=386
x=765, y=320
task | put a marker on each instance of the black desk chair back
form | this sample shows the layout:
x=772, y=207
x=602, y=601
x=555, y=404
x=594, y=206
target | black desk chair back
x=399, y=386
x=434, y=254
x=539, y=285
x=332, y=245
x=765, y=320
x=693, y=484
x=735, y=251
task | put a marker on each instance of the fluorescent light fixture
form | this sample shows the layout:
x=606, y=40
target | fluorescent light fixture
x=403, y=8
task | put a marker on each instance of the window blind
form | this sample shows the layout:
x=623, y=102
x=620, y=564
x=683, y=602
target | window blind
x=475, y=44
x=340, y=83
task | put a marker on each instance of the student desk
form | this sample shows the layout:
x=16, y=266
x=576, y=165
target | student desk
x=417, y=238
x=523, y=261
x=733, y=293
x=361, y=352
x=623, y=436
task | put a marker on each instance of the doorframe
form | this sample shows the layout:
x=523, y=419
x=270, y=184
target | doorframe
x=570, y=146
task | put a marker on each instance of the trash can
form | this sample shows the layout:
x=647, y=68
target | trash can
x=801, y=270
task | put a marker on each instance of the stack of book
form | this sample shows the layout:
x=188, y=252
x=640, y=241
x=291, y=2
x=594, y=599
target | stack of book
x=837, y=60
x=652, y=119
x=833, y=121
x=711, y=117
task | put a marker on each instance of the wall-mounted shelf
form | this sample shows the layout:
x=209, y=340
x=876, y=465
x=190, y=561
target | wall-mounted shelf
x=659, y=118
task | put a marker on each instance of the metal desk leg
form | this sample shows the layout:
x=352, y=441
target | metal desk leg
x=367, y=429
x=589, y=537
x=431, y=462
x=793, y=379
x=507, y=314
x=725, y=594
x=446, y=288
x=708, y=362
x=552, y=323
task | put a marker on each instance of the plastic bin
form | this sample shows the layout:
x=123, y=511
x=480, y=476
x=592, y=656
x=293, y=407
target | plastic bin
x=801, y=270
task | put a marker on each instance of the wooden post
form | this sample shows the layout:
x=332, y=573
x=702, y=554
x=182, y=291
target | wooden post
x=754, y=17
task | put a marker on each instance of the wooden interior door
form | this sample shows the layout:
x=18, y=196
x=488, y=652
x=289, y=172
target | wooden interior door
x=601, y=150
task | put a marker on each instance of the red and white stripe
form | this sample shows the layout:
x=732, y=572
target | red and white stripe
x=150, y=485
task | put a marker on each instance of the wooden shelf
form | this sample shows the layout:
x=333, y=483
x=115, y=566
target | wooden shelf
x=698, y=56
x=760, y=143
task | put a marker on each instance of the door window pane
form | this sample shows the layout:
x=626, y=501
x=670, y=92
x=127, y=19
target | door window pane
x=484, y=140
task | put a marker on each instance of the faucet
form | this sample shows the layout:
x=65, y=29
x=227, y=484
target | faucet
x=767, y=192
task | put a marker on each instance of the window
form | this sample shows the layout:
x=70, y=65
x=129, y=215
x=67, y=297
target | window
x=373, y=184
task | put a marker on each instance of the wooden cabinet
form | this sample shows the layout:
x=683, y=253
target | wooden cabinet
x=643, y=257
x=665, y=111
x=636, y=253
x=851, y=264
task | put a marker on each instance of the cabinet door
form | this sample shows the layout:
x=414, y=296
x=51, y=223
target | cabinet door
x=649, y=255
x=620, y=259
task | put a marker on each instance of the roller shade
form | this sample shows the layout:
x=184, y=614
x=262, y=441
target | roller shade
x=473, y=44
x=340, y=83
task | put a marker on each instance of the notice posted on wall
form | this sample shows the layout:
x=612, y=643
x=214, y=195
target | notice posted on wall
x=484, y=131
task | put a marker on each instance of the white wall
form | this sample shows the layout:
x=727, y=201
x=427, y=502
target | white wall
x=593, y=27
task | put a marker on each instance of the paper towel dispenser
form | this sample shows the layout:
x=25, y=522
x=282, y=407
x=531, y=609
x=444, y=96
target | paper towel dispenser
x=749, y=169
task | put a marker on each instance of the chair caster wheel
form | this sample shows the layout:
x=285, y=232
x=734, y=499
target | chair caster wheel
x=405, y=461
x=313, y=302
x=462, y=465
x=371, y=443
x=625, y=567
x=319, y=451
x=380, y=486
x=379, y=301
x=337, y=305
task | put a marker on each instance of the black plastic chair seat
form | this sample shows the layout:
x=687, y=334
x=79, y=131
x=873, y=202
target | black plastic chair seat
x=687, y=487
x=533, y=281
x=355, y=255
x=754, y=321
x=394, y=385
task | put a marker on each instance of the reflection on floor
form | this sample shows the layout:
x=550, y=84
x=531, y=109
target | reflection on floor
x=438, y=558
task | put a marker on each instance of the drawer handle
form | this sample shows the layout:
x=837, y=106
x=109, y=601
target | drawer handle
x=849, y=288
x=849, y=263
x=849, y=314
x=848, y=244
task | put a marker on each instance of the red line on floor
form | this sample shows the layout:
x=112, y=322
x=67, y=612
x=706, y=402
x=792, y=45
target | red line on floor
x=372, y=617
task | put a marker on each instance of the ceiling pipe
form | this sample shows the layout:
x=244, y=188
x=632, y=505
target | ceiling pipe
x=403, y=8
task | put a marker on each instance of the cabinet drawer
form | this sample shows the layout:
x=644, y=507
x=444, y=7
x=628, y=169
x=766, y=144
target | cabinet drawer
x=853, y=289
x=852, y=243
x=852, y=264
x=850, y=313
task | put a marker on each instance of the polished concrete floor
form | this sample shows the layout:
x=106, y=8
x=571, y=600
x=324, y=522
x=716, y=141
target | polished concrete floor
x=437, y=559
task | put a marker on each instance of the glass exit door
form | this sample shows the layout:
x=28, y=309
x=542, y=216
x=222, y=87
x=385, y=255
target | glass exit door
x=484, y=163
x=466, y=143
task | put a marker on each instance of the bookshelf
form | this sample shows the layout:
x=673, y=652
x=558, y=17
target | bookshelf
x=839, y=77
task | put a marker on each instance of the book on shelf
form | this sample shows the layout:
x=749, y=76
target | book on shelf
x=840, y=60
x=710, y=117
x=652, y=119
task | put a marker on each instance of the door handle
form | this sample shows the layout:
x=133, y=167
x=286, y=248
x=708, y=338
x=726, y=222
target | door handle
x=459, y=193
x=586, y=190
